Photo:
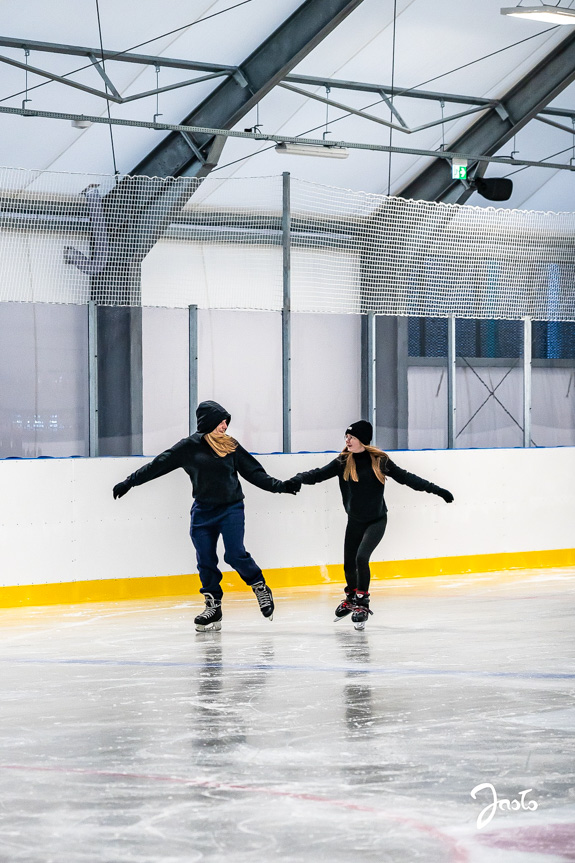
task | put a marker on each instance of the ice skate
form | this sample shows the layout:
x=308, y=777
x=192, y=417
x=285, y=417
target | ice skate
x=211, y=616
x=347, y=605
x=361, y=610
x=265, y=599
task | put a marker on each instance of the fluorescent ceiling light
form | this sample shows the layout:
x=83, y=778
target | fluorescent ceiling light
x=293, y=149
x=544, y=13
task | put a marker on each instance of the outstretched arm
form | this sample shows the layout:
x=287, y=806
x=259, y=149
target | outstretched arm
x=164, y=463
x=415, y=482
x=249, y=468
x=319, y=474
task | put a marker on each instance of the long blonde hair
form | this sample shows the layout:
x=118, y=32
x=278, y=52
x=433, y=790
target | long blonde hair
x=350, y=469
x=222, y=444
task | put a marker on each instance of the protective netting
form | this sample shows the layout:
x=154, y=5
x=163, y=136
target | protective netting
x=217, y=243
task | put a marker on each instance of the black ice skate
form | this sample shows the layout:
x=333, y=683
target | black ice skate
x=265, y=598
x=361, y=610
x=211, y=616
x=347, y=605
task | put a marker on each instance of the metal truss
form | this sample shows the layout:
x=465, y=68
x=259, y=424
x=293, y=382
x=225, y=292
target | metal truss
x=388, y=93
x=97, y=57
x=218, y=70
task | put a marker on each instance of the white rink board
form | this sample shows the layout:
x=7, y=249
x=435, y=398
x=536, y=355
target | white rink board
x=59, y=522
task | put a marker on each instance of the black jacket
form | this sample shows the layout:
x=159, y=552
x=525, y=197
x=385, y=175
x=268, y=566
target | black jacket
x=214, y=478
x=364, y=500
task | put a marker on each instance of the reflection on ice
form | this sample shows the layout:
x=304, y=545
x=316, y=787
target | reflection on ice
x=127, y=736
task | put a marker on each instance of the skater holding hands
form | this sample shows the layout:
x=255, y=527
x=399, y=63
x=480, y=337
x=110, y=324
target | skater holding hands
x=212, y=459
x=362, y=471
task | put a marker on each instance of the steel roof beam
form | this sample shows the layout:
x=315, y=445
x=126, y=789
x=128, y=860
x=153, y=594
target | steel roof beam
x=34, y=70
x=396, y=92
x=263, y=69
x=400, y=128
x=409, y=93
x=498, y=125
x=120, y=56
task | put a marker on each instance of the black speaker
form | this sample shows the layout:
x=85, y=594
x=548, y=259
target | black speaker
x=495, y=188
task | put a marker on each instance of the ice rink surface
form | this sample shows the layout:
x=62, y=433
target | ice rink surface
x=127, y=736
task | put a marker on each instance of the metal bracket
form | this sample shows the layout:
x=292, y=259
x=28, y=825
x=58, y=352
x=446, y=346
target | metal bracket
x=240, y=78
x=195, y=150
x=215, y=151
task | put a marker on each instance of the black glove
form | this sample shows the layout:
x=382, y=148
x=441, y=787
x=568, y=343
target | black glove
x=291, y=486
x=121, y=489
x=446, y=495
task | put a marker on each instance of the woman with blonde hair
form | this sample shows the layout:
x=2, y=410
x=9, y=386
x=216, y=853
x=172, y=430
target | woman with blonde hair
x=212, y=459
x=362, y=471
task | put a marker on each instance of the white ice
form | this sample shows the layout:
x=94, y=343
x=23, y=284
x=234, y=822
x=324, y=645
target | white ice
x=127, y=737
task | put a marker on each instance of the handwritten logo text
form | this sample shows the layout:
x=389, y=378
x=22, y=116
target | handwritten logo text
x=501, y=803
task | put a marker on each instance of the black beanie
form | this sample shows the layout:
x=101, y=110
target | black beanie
x=362, y=430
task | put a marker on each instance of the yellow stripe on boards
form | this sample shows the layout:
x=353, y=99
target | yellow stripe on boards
x=462, y=564
x=117, y=589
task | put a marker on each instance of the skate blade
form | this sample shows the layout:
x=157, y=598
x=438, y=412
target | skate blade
x=214, y=627
x=360, y=625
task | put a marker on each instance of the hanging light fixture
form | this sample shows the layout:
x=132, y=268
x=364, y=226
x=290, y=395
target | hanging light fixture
x=545, y=13
x=329, y=151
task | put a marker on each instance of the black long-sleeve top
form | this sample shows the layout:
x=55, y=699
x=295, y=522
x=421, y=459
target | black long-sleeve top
x=214, y=478
x=364, y=500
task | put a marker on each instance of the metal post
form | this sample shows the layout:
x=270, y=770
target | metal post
x=370, y=370
x=451, y=384
x=527, y=356
x=402, y=382
x=192, y=365
x=93, y=439
x=286, y=314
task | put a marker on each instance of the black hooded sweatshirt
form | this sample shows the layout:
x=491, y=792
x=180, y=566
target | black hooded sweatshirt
x=214, y=478
x=364, y=500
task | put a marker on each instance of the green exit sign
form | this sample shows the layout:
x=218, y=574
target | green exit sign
x=459, y=169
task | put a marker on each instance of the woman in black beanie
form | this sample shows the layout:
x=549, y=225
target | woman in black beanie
x=212, y=459
x=362, y=470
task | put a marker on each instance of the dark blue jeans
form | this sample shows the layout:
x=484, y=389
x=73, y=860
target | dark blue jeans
x=207, y=524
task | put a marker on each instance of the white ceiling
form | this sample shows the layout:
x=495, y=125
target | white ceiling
x=433, y=38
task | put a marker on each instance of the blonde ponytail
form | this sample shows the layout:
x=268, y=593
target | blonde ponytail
x=350, y=469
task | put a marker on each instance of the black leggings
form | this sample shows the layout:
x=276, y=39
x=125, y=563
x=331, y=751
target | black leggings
x=361, y=538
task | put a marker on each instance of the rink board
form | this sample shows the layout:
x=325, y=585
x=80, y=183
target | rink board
x=64, y=539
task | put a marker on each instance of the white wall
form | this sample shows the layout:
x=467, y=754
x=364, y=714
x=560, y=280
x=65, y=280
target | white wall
x=177, y=273
x=240, y=366
x=34, y=270
x=325, y=369
x=59, y=522
x=165, y=375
